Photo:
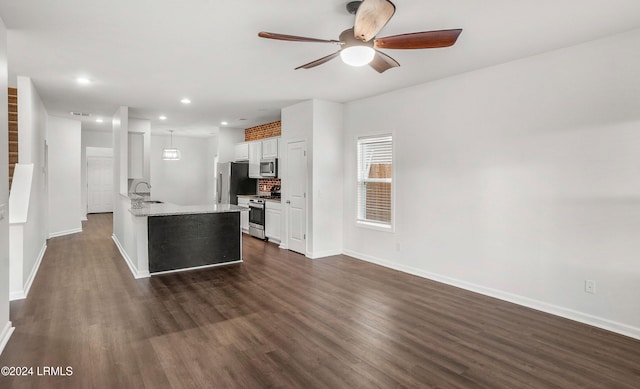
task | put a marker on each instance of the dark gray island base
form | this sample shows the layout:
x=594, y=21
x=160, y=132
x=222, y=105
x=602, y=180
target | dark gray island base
x=194, y=240
x=170, y=237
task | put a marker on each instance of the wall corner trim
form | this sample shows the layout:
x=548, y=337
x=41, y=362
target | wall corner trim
x=136, y=274
x=609, y=325
x=22, y=294
x=5, y=334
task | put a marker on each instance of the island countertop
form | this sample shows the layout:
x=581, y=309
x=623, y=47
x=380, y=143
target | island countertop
x=168, y=209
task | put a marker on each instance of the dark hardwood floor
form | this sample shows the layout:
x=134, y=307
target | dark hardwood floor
x=281, y=320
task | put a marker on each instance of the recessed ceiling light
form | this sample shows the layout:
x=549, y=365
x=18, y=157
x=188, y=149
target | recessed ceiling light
x=162, y=117
x=83, y=81
x=224, y=123
x=185, y=101
x=99, y=120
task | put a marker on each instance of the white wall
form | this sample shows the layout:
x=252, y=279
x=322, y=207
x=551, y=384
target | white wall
x=297, y=125
x=120, y=125
x=32, y=131
x=186, y=181
x=90, y=139
x=227, y=138
x=212, y=170
x=519, y=181
x=327, y=167
x=63, y=137
x=126, y=227
x=320, y=124
x=5, y=324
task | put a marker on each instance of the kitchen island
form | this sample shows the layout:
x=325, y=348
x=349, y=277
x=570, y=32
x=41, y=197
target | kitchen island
x=171, y=237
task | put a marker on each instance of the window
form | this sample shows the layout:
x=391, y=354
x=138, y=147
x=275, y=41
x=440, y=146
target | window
x=375, y=189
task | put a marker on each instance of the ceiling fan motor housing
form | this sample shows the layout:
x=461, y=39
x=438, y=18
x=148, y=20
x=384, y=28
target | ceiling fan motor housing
x=348, y=39
x=352, y=7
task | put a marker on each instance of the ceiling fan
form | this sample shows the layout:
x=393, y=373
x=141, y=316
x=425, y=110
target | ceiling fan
x=359, y=45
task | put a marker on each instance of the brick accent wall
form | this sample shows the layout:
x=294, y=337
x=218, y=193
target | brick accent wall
x=262, y=131
x=13, y=131
x=265, y=184
x=268, y=130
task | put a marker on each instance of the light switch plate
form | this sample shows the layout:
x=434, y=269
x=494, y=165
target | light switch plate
x=3, y=211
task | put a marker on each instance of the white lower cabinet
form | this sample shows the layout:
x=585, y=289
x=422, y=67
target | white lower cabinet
x=272, y=221
x=244, y=216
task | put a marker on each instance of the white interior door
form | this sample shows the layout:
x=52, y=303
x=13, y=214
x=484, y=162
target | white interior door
x=99, y=184
x=297, y=198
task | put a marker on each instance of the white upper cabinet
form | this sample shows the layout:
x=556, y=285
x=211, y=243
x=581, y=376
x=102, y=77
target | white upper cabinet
x=255, y=155
x=241, y=152
x=270, y=148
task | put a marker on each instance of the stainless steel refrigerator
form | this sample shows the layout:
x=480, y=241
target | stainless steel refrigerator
x=233, y=180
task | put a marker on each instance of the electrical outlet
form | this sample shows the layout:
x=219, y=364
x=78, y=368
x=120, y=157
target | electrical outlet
x=590, y=286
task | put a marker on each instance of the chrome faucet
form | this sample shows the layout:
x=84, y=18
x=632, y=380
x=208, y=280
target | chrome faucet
x=135, y=190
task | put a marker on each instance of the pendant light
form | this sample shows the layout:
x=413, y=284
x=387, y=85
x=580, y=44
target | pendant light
x=171, y=153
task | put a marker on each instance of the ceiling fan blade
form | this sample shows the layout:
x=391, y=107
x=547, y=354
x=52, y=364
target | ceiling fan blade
x=293, y=38
x=320, y=61
x=382, y=62
x=419, y=40
x=371, y=16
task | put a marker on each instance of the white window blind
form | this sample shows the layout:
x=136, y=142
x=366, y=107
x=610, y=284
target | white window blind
x=375, y=168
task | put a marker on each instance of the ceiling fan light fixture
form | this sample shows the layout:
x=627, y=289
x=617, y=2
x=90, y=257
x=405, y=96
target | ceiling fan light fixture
x=357, y=55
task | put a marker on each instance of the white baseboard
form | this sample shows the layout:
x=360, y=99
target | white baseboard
x=620, y=328
x=22, y=294
x=5, y=335
x=134, y=270
x=84, y=218
x=325, y=253
x=66, y=232
x=274, y=241
x=19, y=295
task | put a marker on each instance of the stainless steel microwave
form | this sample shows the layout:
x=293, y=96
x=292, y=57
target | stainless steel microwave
x=269, y=168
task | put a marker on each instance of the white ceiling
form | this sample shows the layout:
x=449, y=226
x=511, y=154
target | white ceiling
x=148, y=54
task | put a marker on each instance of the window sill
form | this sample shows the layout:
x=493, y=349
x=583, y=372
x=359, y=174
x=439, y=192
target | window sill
x=375, y=226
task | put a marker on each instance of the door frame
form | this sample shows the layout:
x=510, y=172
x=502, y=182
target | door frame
x=285, y=239
x=88, y=157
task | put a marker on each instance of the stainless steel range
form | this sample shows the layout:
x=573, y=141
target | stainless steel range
x=256, y=218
